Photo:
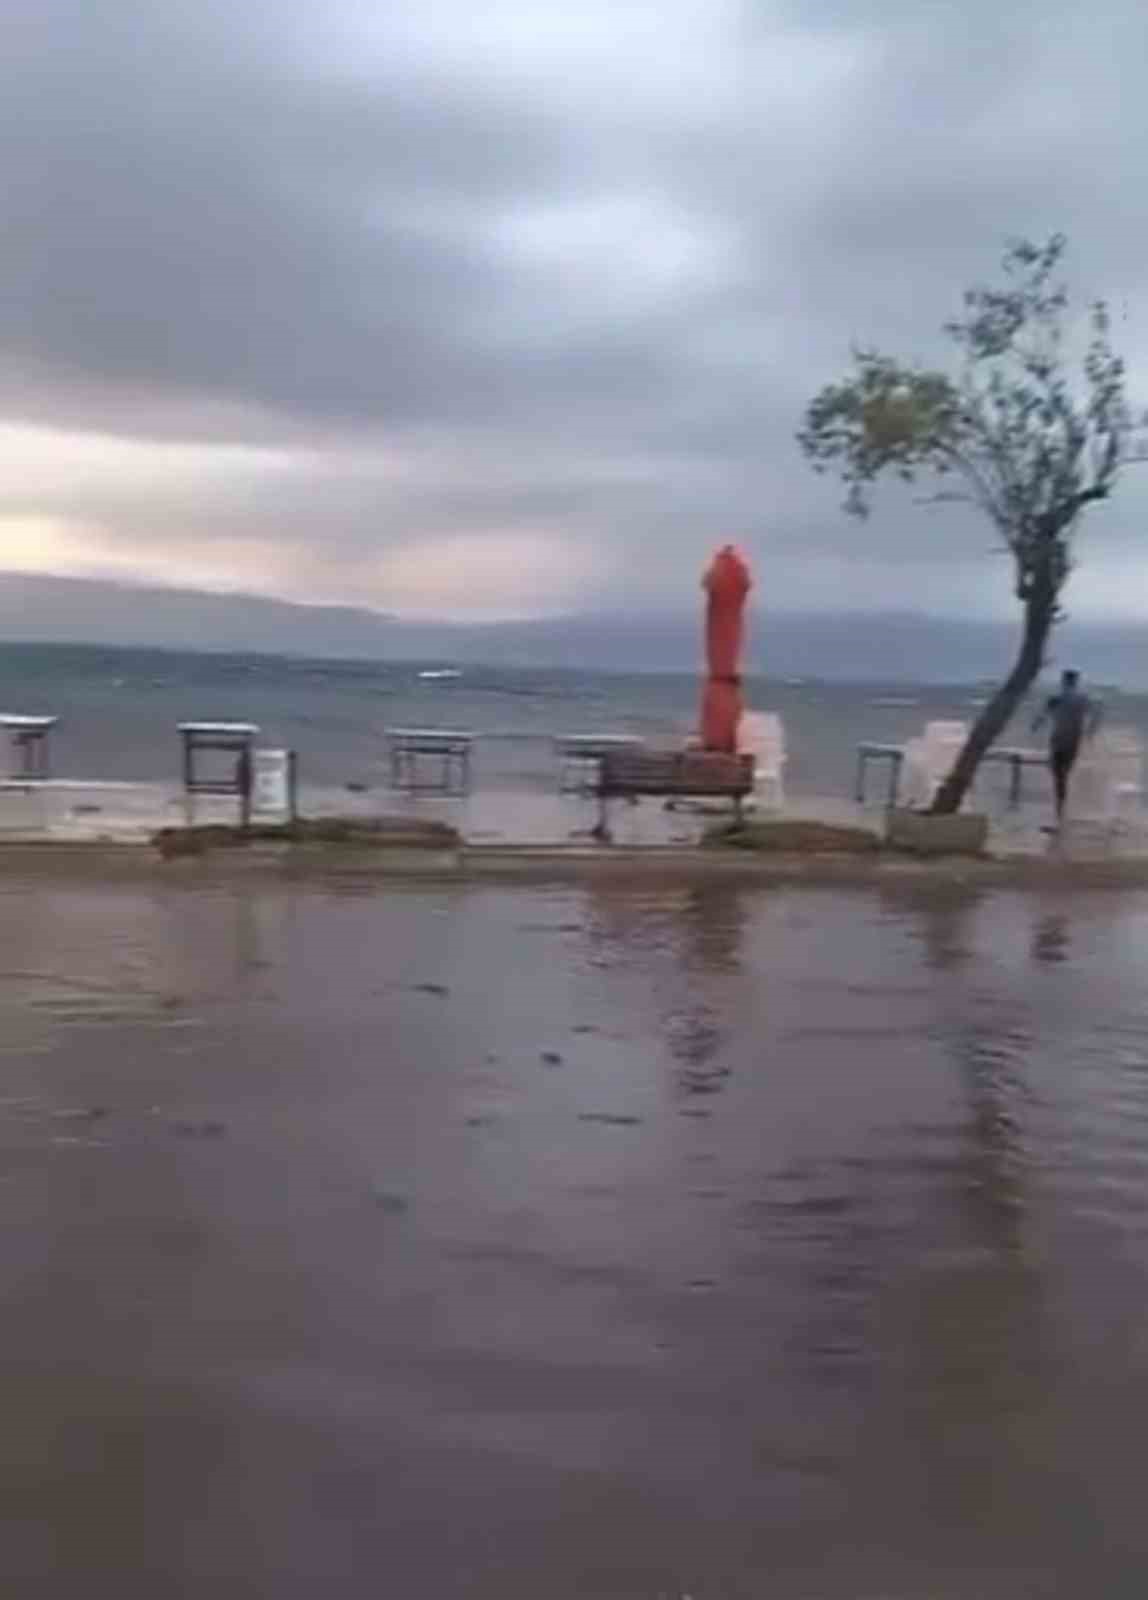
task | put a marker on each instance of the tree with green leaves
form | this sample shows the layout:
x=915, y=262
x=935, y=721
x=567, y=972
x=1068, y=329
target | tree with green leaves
x=1011, y=433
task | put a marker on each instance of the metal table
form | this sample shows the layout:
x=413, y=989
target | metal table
x=227, y=738
x=448, y=748
x=894, y=754
x=581, y=756
x=27, y=739
x=1018, y=759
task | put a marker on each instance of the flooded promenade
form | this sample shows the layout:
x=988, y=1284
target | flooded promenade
x=621, y=1243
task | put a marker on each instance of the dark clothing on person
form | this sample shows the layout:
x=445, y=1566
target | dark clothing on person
x=1062, y=759
x=1069, y=713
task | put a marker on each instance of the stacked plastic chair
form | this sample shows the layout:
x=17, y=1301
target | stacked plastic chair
x=762, y=735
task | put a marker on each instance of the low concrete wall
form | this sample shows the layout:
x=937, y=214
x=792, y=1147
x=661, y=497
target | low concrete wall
x=107, y=862
x=921, y=834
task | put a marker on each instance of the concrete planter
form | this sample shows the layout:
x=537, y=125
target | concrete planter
x=329, y=833
x=920, y=834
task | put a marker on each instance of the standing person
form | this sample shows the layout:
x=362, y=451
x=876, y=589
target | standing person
x=1072, y=717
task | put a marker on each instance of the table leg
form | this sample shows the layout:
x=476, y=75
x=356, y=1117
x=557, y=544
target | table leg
x=601, y=831
x=293, y=785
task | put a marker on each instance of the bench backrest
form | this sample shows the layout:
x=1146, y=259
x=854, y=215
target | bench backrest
x=684, y=772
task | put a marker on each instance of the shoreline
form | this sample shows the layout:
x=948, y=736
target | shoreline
x=135, y=860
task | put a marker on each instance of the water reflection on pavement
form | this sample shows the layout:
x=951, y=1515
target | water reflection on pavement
x=602, y=1242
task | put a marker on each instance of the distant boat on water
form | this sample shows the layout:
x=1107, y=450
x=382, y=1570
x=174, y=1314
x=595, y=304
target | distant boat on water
x=441, y=672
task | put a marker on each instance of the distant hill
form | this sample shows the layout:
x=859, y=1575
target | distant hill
x=87, y=611
x=888, y=648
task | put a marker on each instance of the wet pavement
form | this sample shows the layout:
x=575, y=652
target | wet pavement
x=531, y=1243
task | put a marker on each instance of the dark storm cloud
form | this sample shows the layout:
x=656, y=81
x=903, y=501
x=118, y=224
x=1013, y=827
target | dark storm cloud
x=591, y=264
x=181, y=214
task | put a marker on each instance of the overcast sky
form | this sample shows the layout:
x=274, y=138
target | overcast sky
x=511, y=307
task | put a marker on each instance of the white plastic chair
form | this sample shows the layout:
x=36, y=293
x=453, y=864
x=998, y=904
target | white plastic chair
x=915, y=787
x=929, y=759
x=762, y=735
x=947, y=734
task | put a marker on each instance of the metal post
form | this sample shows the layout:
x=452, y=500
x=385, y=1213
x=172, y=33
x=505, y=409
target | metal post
x=1014, y=786
x=860, y=788
x=894, y=780
x=601, y=831
x=244, y=779
x=292, y=786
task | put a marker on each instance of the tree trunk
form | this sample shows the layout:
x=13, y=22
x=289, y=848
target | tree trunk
x=1039, y=613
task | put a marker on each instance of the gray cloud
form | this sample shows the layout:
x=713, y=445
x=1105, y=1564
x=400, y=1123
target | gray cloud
x=583, y=270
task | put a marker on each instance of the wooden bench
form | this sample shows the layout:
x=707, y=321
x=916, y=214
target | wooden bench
x=673, y=775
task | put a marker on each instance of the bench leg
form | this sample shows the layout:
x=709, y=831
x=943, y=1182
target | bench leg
x=894, y=781
x=601, y=829
x=859, y=787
